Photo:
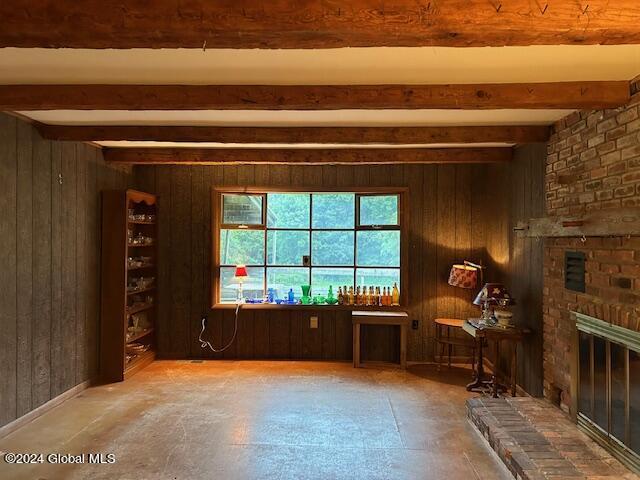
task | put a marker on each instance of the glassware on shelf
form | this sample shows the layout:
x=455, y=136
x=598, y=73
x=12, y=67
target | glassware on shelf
x=306, y=292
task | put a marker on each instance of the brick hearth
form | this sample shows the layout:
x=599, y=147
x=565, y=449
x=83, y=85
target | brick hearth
x=536, y=441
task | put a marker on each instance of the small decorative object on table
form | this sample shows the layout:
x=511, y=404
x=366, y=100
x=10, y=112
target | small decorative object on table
x=492, y=294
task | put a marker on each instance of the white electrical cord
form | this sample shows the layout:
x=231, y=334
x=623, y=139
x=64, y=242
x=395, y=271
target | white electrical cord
x=205, y=343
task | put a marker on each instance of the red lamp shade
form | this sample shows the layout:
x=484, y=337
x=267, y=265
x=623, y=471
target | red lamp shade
x=494, y=294
x=241, y=272
x=463, y=276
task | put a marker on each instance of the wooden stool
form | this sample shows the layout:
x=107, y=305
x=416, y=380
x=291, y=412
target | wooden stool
x=449, y=342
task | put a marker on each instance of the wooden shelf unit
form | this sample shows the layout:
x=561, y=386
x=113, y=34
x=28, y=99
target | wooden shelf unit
x=117, y=300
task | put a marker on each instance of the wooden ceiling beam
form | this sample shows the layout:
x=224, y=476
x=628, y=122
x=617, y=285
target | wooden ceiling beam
x=316, y=23
x=337, y=135
x=561, y=95
x=298, y=156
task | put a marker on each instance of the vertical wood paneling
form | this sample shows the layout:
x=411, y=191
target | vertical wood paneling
x=525, y=274
x=164, y=325
x=49, y=280
x=446, y=237
x=180, y=254
x=24, y=263
x=41, y=251
x=93, y=248
x=57, y=328
x=69, y=285
x=312, y=337
x=198, y=246
x=444, y=219
x=82, y=262
x=413, y=178
x=261, y=335
x=8, y=247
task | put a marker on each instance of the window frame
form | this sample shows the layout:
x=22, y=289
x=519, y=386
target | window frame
x=217, y=227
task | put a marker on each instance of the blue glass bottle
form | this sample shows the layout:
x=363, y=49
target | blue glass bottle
x=291, y=295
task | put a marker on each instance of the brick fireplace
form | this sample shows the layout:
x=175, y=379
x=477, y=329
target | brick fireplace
x=593, y=163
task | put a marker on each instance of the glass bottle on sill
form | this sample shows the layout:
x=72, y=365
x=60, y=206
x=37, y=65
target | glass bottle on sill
x=395, y=295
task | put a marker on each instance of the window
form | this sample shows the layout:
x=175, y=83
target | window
x=289, y=239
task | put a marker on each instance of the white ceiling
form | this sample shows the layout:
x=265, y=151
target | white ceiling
x=349, y=66
x=435, y=65
x=285, y=118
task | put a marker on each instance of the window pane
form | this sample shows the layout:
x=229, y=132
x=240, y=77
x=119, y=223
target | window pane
x=288, y=210
x=333, y=210
x=321, y=278
x=241, y=247
x=332, y=248
x=379, y=210
x=286, y=247
x=252, y=287
x=379, y=248
x=284, y=278
x=378, y=277
x=241, y=209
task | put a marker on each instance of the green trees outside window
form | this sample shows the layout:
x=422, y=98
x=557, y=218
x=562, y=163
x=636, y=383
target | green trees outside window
x=325, y=238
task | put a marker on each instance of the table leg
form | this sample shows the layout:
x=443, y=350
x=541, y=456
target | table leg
x=496, y=376
x=356, y=345
x=478, y=382
x=403, y=346
x=514, y=368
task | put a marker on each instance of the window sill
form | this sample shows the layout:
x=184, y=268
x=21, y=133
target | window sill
x=273, y=306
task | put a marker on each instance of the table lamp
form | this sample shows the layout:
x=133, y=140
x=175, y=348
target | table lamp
x=492, y=294
x=464, y=275
x=241, y=275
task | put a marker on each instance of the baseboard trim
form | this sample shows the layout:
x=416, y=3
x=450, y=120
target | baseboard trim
x=44, y=408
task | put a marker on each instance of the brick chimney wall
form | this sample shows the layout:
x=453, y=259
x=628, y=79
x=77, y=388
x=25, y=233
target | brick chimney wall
x=593, y=163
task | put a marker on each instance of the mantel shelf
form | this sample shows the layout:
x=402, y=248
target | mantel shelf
x=597, y=223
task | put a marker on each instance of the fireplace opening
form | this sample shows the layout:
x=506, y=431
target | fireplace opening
x=607, y=381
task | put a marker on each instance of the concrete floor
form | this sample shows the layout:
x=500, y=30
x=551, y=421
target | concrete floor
x=268, y=420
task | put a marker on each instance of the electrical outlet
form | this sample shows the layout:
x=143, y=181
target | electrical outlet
x=313, y=322
x=414, y=324
x=306, y=260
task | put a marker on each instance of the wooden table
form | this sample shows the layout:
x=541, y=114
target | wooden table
x=400, y=319
x=512, y=335
x=448, y=341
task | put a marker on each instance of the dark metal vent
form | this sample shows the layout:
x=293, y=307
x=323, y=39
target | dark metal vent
x=574, y=271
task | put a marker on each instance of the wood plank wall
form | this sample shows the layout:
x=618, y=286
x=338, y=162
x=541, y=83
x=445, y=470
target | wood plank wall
x=449, y=221
x=49, y=280
x=525, y=268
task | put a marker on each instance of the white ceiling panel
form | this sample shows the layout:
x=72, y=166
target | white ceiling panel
x=284, y=118
x=323, y=66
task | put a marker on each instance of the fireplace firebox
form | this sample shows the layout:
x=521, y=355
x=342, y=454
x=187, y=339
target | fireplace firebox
x=606, y=385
